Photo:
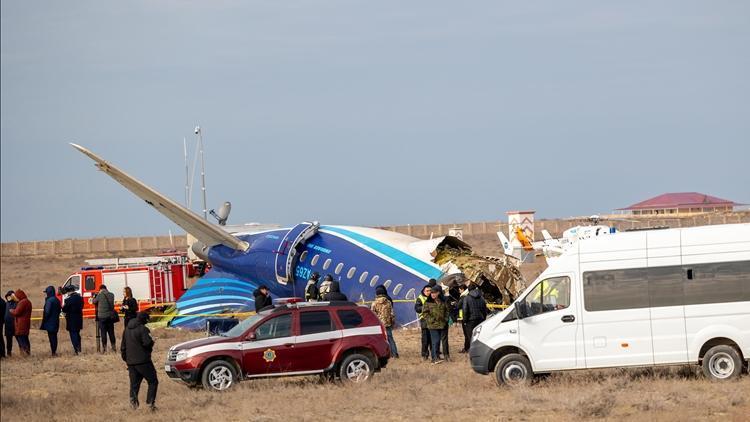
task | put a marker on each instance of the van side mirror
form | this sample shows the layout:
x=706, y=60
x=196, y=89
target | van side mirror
x=521, y=310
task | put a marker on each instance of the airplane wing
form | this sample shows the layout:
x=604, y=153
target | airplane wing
x=204, y=231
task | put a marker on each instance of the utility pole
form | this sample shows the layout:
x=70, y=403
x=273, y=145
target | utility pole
x=203, y=170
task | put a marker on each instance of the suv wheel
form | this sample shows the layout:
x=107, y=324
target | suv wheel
x=356, y=368
x=722, y=363
x=219, y=375
x=513, y=370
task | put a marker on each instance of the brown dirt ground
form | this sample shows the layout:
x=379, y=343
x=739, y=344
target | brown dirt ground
x=95, y=387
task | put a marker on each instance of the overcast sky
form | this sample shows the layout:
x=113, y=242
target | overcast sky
x=369, y=113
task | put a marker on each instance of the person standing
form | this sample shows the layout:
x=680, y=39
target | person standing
x=474, y=312
x=463, y=292
x=10, y=323
x=135, y=348
x=436, y=316
x=262, y=298
x=2, y=327
x=51, y=318
x=73, y=309
x=334, y=293
x=418, y=308
x=311, y=289
x=325, y=286
x=22, y=320
x=383, y=308
x=129, y=306
x=106, y=316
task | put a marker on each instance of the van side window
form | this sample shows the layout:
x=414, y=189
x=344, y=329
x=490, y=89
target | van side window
x=90, y=283
x=550, y=295
x=615, y=289
x=718, y=282
x=280, y=326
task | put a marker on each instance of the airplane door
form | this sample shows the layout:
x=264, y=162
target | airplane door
x=549, y=330
x=286, y=255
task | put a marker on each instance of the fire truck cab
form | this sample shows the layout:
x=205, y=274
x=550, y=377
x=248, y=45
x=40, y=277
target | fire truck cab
x=154, y=280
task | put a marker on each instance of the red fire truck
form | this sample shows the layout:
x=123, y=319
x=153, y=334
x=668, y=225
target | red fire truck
x=154, y=280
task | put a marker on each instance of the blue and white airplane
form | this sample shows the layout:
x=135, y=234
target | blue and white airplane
x=284, y=258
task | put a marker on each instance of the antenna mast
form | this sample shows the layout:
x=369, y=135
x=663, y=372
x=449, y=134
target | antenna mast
x=203, y=170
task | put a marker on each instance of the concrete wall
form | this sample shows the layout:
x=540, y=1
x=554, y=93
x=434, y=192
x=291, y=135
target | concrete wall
x=555, y=227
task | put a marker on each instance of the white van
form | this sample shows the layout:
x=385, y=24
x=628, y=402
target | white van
x=643, y=298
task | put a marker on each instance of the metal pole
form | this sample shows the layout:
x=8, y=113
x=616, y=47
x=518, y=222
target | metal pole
x=187, y=173
x=203, y=171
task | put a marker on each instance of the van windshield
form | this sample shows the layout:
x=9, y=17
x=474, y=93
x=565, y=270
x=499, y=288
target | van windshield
x=240, y=328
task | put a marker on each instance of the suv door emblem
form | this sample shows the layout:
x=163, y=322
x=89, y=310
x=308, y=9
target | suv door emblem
x=269, y=355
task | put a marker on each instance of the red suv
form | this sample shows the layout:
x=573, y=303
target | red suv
x=337, y=339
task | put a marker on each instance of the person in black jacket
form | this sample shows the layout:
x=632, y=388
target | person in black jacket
x=10, y=323
x=334, y=293
x=418, y=308
x=311, y=289
x=51, y=318
x=262, y=298
x=136, y=348
x=73, y=310
x=474, y=310
x=2, y=324
x=129, y=305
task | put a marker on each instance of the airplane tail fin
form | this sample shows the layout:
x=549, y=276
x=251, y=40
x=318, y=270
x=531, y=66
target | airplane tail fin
x=507, y=246
x=204, y=231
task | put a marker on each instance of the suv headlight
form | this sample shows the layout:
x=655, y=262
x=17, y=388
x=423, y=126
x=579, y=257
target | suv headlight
x=181, y=355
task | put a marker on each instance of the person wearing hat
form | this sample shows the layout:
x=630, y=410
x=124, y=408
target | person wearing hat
x=51, y=318
x=311, y=289
x=435, y=314
x=334, y=293
x=262, y=298
x=10, y=325
x=73, y=310
x=382, y=307
x=135, y=350
x=325, y=286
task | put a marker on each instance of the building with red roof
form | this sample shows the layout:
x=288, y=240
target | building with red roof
x=680, y=203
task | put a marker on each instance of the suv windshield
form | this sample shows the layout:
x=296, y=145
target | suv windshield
x=243, y=326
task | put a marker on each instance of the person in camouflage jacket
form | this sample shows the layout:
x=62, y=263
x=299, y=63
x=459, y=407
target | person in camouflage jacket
x=383, y=308
x=435, y=313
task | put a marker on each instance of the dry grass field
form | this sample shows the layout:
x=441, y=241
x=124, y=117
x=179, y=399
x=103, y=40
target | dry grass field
x=95, y=387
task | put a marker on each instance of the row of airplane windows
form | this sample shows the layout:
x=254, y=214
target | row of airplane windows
x=352, y=271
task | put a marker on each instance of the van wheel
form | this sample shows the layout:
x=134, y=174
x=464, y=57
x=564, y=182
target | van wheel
x=219, y=375
x=722, y=363
x=513, y=370
x=356, y=368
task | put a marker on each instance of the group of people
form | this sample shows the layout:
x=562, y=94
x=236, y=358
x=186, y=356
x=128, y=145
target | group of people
x=16, y=309
x=437, y=312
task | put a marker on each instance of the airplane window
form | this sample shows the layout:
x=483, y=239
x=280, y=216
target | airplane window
x=351, y=272
x=303, y=257
x=397, y=289
x=387, y=283
x=374, y=280
x=411, y=294
x=327, y=264
x=314, y=260
x=363, y=277
x=339, y=268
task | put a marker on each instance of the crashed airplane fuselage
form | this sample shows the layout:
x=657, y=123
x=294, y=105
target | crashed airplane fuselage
x=359, y=258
